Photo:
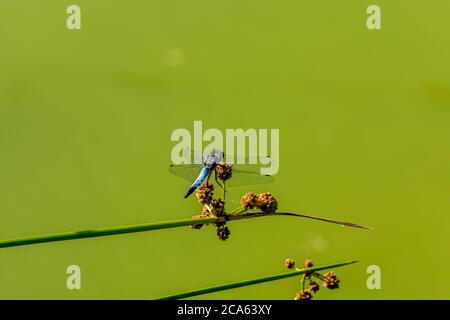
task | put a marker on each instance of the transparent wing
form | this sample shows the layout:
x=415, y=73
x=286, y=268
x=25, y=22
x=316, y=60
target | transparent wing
x=244, y=160
x=247, y=175
x=190, y=155
x=241, y=174
x=188, y=172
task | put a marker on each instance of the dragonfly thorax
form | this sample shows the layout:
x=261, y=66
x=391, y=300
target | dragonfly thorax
x=213, y=158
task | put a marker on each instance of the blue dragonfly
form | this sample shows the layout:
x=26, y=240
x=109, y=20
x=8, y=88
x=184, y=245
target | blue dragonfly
x=243, y=174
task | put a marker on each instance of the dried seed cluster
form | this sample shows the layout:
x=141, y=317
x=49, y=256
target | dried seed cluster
x=211, y=208
x=289, y=263
x=309, y=287
x=205, y=192
x=218, y=207
x=223, y=171
x=222, y=231
x=249, y=200
x=331, y=281
x=265, y=202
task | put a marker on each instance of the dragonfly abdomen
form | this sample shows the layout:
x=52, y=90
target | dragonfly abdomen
x=204, y=173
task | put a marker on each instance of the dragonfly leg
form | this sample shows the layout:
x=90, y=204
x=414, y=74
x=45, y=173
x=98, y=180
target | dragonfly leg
x=223, y=191
x=215, y=177
x=221, y=186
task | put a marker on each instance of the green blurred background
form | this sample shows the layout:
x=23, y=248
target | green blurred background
x=86, y=118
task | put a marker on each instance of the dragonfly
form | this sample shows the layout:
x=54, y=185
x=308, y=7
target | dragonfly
x=243, y=174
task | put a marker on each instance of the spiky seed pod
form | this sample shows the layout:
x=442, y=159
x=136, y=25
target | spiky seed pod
x=331, y=281
x=205, y=192
x=308, y=263
x=267, y=203
x=223, y=233
x=313, y=287
x=303, y=295
x=224, y=171
x=249, y=200
x=289, y=263
x=218, y=207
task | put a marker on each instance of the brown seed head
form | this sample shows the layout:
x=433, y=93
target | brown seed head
x=205, y=192
x=223, y=233
x=223, y=171
x=331, y=281
x=303, y=295
x=313, y=287
x=289, y=263
x=218, y=207
x=267, y=203
x=308, y=263
x=249, y=200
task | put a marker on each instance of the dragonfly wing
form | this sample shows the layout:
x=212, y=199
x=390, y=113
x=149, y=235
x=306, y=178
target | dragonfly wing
x=247, y=175
x=188, y=172
x=244, y=159
x=242, y=174
x=194, y=155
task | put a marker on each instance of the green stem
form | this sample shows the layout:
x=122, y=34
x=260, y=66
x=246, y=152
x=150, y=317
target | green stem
x=239, y=209
x=319, y=276
x=152, y=226
x=102, y=232
x=223, y=191
x=301, y=215
x=239, y=284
